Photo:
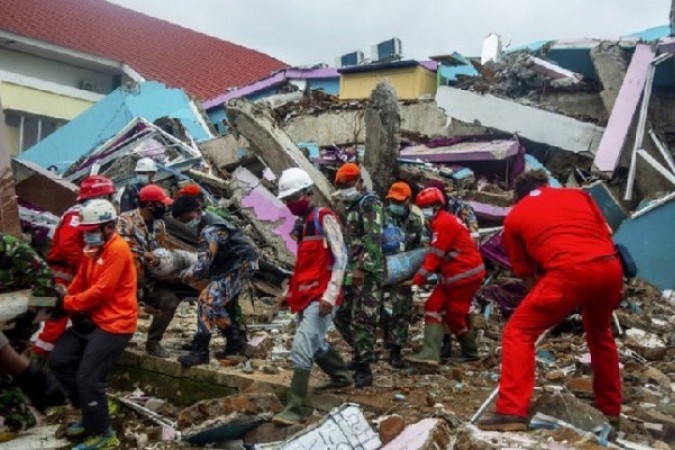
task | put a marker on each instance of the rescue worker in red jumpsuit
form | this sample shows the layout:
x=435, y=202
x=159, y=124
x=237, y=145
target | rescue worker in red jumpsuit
x=65, y=256
x=559, y=242
x=454, y=257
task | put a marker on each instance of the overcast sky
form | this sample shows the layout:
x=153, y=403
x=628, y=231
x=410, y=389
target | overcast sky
x=313, y=31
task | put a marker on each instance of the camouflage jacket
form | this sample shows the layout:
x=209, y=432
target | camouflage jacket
x=464, y=211
x=132, y=227
x=21, y=268
x=412, y=226
x=365, y=219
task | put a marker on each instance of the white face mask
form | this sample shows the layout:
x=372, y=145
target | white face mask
x=142, y=178
x=429, y=213
x=347, y=194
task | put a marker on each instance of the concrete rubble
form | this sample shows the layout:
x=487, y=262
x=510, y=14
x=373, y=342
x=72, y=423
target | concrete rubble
x=530, y=108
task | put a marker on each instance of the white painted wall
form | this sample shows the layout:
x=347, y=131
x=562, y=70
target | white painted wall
x=53, y=71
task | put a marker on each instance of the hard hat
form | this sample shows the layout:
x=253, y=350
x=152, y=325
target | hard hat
x=347, y=172
x=96, y=212
x=293, y=180
x=430, y=197
x=146, y=165
x=190, y=190
x=400, y=191
x=95, y=186
x=154, y=193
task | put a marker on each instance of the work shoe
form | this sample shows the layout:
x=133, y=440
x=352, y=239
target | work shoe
x=503, y=422
x=446, y=350
x=334, y=366
x=395, y=357
x=292, y=413
x=430, y=354
x=155, y=348
x=105, y=441
x=614, y=421
x=235, y=345
x=198, y=356
x=363, y=377
x=467, y=343
x=75, y=430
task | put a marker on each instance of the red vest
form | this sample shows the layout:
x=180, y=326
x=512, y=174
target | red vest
x=313, y=264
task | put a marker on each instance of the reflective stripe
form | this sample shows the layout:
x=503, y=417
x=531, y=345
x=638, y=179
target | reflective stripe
x=307, y=287
x=437, y=251
x=423, y=272
x=65, y=276
x=433, y=315
x=451, y=255
x=312, y=238
x=44, y=345
x=461, y=276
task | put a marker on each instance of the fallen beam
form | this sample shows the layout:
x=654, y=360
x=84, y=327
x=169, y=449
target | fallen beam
x=531, y=123
x=620, y=121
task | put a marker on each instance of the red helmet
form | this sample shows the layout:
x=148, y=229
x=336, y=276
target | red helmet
x=430, y=197
x=95, y=186
x=154, y=193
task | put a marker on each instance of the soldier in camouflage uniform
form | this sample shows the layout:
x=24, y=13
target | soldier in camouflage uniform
x=358, y=316
x=409, y=219
x=21, y=268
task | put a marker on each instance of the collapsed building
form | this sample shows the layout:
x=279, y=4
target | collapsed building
x=594, y=114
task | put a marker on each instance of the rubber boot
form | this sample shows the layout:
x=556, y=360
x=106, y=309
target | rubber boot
x=236, y=343
x=363, y=377
x=334, y=366
x=430, y=354
x=446, y=350
x=292, y=413
x=154, y=345
x=395, y=357
x=198, y=356
x=467, y=343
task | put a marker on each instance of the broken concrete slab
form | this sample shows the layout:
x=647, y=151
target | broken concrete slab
x=427, y=434
x=620, y=121
x=568, y=408
x=42, y=188
x=553, y=71
x=226, y=151
x=648, y=345
x=469, y=437
x=273, y=145
x=383, y=138
x=531, y=123
x=610, y=64
x=464, y=151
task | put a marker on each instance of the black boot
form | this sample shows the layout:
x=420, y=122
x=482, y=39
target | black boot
x=363, y=377
x=153, y=346
x=198, y=356
x=236, y=343
x=40, y=387
x=446, y=350
x=395, y=357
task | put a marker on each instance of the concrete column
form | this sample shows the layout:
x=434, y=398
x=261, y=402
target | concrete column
x=610, y=64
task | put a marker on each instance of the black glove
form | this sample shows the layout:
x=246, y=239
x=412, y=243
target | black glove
x=58, y=312
x=82, y=323
x=40, y=387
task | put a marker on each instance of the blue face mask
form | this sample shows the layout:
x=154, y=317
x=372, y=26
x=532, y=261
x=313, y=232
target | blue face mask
x=429, y=213
x=142, y=178
x=194, y=224
x=93, y=238
x=398, y=210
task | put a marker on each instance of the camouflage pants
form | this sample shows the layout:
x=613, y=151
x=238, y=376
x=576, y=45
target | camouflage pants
x=399, y=321
x=14, y=406
x=219, y=306
x=358, y=316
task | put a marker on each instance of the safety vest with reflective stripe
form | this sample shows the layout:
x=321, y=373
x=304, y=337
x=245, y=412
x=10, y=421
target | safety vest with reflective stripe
x=313, y=263
x=453, y=253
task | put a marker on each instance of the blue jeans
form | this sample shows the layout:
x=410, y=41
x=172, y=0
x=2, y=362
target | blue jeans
x=309, y=341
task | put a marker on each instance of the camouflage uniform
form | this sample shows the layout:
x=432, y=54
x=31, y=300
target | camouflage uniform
x=20, y=268
x=225, y=268
x=400, y=297
x=464, y=211
x=359, y=313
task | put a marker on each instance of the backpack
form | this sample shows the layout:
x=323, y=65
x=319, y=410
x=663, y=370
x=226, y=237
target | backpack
x=393, y=239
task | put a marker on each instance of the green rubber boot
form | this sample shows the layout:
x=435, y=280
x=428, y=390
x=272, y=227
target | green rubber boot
x=467, y=343
x=292, y=413
x=430, y=354
x=334, y=366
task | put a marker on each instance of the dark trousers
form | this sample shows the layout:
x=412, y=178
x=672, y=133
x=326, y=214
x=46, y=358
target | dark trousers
x=81, y=363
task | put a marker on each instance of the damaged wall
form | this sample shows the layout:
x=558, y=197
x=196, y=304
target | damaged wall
x=9, y=210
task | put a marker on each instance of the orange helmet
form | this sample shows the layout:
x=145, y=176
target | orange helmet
x=190, y=190
x=347, y=172
x=430, y=197
x=399, y=191
x=95, y=186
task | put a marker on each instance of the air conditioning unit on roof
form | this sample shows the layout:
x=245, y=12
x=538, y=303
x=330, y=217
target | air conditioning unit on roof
x=87, y=85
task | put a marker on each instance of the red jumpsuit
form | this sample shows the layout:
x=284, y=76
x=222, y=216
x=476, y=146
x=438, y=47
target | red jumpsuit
x=560, y=236
x=454, y=256
x=64, y=258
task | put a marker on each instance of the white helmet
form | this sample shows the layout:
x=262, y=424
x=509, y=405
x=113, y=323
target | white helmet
x=96, y=212
x=293, y=180
x=146, y=165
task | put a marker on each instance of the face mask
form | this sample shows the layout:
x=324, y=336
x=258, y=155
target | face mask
x=158, y=212
x=93, y=239
x=398, y=210
x=142, y=178
x=194, y=224
x=348, y=194
x=299, y=207
x=429, y=213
